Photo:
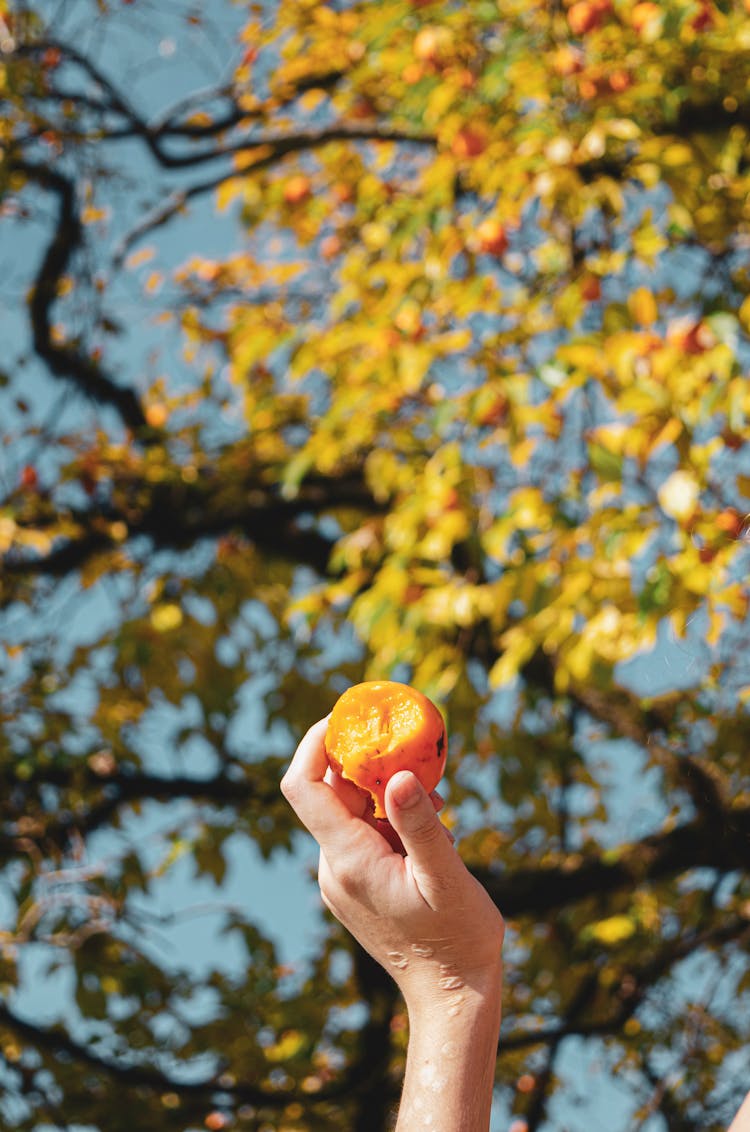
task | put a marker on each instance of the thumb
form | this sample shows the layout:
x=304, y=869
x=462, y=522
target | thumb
x=412, y=814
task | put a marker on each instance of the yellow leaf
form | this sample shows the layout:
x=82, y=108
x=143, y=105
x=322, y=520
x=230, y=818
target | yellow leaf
x=227, y=191
x=623, y=128
x=677, y=154
x=118, y=530
x=518, y=646
x=375, y=235
x=454, y=341
x=90, y=215
x=248, y=157
x=744, y=314
x=615, y=929
x=699, y=578
x=736, y=598
x=290, y=1042
x=178, y=849
x=667, y=434
x=312, y=99
x=413, y=364
x=577, y=659
x=166, y=616
x=642, y=306
x=613, y=437
x=495, y=540
x=648, y=242
x=717, y=619
x=7, y=532
x=520, y=454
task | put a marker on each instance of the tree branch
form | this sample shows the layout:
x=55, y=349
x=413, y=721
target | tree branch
x=54, y=1040
x=66, y=360
x=670, y=853
x=633, y=987
x=179, y=513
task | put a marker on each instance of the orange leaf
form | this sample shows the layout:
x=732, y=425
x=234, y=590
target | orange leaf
x=137, y=258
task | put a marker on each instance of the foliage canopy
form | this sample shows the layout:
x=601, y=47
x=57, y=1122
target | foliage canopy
x=462, y=399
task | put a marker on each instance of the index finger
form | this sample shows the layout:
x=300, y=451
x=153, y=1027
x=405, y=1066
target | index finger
x=315, y=802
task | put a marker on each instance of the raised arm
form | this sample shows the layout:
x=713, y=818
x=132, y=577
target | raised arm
x=741, y=1122
x=426, y=920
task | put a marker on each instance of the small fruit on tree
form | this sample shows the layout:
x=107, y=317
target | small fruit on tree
x=647, y=17
x=470, y=141
x=698, y=338
x=297, y=189
x=380, y=727
x=586, y=15
x=591, y=288
x=492, y=237
x=705, y=17
x=730, y=522
x=330, y=246
x=29, y=478
x=568, y=60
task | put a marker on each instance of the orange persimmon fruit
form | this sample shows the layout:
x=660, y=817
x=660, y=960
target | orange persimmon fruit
x=380, y=727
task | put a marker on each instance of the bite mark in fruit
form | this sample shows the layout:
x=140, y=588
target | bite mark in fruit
x=379, y=727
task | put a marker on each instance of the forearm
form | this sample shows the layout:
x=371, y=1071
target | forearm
x=741, y=1122
x=450, y=1065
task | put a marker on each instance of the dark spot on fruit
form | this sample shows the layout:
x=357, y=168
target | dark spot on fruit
x=440, y=745
x=377, y=782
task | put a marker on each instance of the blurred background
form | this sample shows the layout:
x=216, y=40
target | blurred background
x=353, y=340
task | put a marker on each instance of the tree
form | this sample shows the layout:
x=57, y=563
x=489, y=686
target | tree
x=465, y=405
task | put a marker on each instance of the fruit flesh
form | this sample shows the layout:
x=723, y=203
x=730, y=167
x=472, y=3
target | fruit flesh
x=380, y=727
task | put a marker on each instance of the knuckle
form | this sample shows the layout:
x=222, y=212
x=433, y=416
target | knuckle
x=289, y=787
x=426, y=831
x=347, y=881
x=333, y=878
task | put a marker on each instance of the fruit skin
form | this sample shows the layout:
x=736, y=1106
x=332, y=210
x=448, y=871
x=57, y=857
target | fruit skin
x=361, y=748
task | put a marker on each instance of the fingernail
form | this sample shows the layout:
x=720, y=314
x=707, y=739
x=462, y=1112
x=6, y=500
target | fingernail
x=406, y=790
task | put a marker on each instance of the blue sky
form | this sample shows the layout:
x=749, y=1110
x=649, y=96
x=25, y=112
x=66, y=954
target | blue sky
x=281, y=893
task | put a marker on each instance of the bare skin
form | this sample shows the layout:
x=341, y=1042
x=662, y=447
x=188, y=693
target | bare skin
x=741, y=1122
x=425, y=918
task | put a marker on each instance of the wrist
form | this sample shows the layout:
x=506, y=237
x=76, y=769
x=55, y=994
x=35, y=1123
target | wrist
x=450, y=1066
x=446, y=995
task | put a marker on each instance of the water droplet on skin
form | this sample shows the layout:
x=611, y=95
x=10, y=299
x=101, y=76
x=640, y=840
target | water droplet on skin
x=422, y=949
x=398, y=960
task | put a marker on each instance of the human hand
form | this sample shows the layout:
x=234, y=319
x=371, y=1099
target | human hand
x=421, y=915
